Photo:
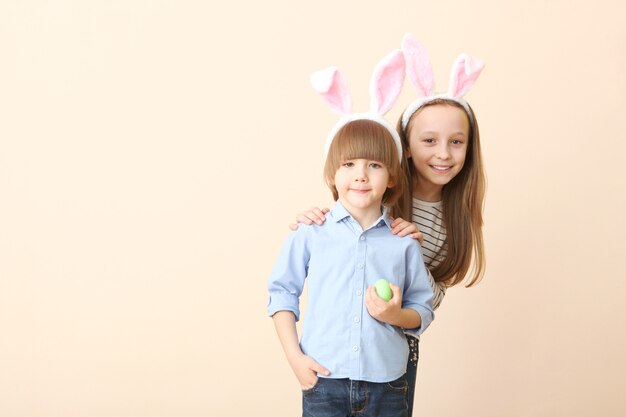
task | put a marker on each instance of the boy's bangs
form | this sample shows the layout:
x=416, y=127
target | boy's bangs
x=353, y=143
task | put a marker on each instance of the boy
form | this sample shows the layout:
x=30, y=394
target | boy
x=350, y=359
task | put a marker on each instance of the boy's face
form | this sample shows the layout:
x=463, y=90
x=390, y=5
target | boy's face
x=361, y=184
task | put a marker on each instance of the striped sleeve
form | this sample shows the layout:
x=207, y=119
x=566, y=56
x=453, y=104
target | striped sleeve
x=439, y=291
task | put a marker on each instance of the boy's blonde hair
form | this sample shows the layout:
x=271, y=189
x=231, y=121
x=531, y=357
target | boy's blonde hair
x=366, y=139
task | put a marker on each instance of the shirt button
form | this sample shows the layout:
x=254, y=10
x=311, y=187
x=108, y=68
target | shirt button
x=356, y=319
x=360, y=266
x=362, y=238
x=355, y=348
x=359, y=292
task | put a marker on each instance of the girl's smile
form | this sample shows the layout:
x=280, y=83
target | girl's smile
x=438, y=140
x=441, y=169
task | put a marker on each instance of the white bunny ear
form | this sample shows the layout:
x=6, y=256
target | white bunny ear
x=386, y=83
x=465, y=71
x=418, y=66
x=331, y=85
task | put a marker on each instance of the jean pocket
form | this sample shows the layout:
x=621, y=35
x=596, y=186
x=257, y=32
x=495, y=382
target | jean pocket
x=399, y=384
x=312, y=389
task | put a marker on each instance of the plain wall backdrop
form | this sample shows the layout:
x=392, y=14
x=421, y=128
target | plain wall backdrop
x=152, y=154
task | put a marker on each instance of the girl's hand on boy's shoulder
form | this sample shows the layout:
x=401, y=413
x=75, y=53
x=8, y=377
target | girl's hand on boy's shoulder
x=312, y=215
x=402, y=228
x=381, y=310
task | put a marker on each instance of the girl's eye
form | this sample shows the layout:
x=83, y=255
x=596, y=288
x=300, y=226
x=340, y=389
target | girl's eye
x=348, y=164
x=457, y=142
x=429, y=140
x=375, y=165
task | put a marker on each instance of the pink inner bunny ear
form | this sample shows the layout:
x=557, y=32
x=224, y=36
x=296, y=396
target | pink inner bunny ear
x=387, y=81
x=465, y=71
x=418, y=66
x=331, y=85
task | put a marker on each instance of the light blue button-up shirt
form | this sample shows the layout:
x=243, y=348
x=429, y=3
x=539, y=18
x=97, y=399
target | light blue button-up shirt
x=339, y=261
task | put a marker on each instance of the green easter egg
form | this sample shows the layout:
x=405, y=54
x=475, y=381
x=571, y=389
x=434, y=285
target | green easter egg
x=383, y=290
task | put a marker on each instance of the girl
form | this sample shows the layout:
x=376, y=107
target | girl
x=445, y=175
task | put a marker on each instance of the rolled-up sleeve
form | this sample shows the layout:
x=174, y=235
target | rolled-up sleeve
x=286, y=281
x=418, y=294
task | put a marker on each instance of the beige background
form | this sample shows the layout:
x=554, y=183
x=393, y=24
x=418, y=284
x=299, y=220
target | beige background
x=152, y=154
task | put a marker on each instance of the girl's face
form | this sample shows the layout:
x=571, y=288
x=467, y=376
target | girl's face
x=438, y=140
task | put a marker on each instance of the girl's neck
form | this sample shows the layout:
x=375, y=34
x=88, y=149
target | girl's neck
x=427, y=192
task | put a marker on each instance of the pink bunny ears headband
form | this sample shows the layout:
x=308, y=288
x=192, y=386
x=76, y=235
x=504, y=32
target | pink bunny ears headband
x=465, y=71
x=385, y=87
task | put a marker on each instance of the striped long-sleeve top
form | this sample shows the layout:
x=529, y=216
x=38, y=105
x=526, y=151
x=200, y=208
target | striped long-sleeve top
x=428, y=217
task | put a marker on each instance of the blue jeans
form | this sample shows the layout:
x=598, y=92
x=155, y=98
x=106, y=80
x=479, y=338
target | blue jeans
x=348, y=398
x=411, y=369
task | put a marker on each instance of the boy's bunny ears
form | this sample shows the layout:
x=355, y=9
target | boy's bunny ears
x=465, y=71
x=385, y=87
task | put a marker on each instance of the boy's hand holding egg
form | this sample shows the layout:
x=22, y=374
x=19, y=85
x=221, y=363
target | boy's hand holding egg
x=384, y=301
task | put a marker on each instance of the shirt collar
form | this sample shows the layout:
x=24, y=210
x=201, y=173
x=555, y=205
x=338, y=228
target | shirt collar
x=339, y=212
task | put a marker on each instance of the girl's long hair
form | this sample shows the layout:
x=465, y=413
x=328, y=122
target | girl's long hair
x=462, y=204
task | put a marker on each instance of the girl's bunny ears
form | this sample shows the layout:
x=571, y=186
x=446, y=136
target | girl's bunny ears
x=465, y=71
x=385, y=87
